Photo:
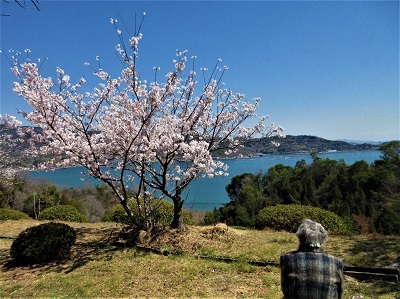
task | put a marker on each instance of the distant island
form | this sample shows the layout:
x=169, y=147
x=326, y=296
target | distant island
x=298, y=144
x=255, y=147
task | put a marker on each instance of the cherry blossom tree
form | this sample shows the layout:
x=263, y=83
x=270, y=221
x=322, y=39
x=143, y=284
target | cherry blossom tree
x=157, y=137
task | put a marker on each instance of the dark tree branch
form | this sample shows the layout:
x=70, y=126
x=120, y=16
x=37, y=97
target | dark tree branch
x=22, y=4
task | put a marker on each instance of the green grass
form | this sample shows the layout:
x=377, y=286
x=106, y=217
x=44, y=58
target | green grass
x=95, y=270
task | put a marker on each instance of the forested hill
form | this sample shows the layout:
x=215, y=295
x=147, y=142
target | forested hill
x=302, y=144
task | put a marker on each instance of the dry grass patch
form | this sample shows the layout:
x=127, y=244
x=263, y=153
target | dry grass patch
x=224, y=241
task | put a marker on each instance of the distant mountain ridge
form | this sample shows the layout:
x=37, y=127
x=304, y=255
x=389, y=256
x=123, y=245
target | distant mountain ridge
x=300, y=144
x=362, y=142
x=289, y=145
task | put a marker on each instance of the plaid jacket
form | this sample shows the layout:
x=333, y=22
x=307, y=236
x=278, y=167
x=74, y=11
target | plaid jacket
x=311, y=273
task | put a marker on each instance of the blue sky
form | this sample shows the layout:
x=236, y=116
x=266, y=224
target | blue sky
x=324, y=68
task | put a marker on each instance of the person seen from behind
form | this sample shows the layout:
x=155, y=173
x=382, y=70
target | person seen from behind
x=309, y=272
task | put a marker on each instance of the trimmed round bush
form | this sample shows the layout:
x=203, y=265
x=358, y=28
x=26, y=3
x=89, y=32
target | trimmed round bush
x=116, y=214
x=289, y=217
x=163, y=215
x=62, y=213
x=43, y=243
x=10, y=214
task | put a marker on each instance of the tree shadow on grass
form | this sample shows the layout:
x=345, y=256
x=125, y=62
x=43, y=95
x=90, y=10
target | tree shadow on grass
x=375, y=252
x=378, y=252
x=91, y=245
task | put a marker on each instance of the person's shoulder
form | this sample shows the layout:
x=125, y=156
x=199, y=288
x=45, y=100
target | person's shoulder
x=292, y=256
x=284, y=258
x=288, y=254
x=334, y=259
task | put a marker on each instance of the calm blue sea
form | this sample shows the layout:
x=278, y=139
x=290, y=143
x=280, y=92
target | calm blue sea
x=205, y=193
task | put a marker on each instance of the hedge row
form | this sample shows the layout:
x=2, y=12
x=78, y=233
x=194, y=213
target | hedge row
x=9, y=214
x=163, y=215
x=63, y=213
x=289, y=217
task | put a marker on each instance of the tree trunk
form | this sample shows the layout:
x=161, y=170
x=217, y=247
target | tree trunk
x=177, y=222
x=130, y=214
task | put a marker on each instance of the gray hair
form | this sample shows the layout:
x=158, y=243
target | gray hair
x=311, y=233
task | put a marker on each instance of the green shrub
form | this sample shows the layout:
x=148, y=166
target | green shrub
x=43, y=243
x=9, y=214
x=163, y=215
x=116, y=214
x=289, y=217
x=63, y=213
x=212, y=217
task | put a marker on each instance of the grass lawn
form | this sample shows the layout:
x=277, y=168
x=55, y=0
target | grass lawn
x=97, y=269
